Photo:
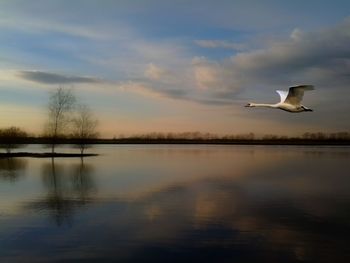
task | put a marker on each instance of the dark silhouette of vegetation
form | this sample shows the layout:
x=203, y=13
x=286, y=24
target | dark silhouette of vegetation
x=12, y=138
x=63, y=120
x=84, y=128
x=61, y=103
x=338, y=138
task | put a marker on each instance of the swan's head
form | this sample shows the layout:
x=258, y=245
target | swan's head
x=249, y=105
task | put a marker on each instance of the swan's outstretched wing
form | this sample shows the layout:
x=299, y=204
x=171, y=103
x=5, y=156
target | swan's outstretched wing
x=283, y=94
x=295, y=94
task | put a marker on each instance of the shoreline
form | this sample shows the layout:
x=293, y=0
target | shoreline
x=213, y=141
x=223, y=142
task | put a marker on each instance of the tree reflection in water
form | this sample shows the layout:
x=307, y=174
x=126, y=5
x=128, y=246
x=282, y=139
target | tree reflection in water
x=82, y=180
x=68, y=188
x=11, y=169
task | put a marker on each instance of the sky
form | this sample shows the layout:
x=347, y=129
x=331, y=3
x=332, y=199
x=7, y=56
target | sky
x=177, y=66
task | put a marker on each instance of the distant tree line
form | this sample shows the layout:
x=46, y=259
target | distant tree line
x=12, y=138
x=325, y=136
x=246, y=136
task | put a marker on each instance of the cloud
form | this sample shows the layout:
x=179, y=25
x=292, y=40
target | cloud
x=154, y=72
x=38, y=26
x=206, y=74
x=220, y=44
x=215, y=78
x=54, y=78
x=157, y=90
x=320, y=57
x=152, y=90
x=168, y=69
x=200, y=81
x=296, y=34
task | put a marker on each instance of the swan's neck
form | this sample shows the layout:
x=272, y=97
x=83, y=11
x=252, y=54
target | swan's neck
x=263, y=105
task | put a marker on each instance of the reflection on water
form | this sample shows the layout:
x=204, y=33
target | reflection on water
x=82, y=180
x=66, y=190
x=12, y=168
x=177, y=203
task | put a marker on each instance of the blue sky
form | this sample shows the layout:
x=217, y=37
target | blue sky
x=152, y=65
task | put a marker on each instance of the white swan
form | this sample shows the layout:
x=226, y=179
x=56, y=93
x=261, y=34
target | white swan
x=290, y=101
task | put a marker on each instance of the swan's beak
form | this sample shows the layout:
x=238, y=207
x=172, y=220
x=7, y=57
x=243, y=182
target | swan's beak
x=247, y=105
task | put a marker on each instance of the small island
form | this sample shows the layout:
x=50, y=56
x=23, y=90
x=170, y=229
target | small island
x=66, y=120
x=45, y=155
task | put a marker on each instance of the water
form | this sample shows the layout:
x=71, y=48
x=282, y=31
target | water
x=176, y=203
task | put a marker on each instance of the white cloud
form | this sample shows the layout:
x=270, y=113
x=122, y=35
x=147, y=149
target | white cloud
x=154, y=72
x=289, y=61
x=215, y=78
x=296, y=34
x=206, y=76
x=320, y=57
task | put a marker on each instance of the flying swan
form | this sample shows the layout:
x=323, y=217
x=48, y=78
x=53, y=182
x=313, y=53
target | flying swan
x=290, y=101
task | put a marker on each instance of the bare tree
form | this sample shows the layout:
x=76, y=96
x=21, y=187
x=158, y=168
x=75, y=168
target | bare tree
x=84, y=128
x=11, y=138
x=61, y=103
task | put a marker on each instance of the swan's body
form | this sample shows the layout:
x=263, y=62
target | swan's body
x=290, y=100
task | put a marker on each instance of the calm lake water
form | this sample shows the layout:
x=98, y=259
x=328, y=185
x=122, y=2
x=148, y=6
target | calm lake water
x=174, y=203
